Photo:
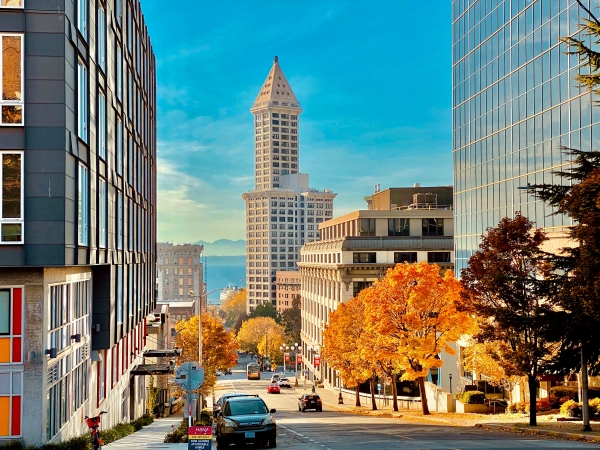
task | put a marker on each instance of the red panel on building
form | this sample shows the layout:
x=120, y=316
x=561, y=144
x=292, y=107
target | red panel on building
x=17, y=311
x=16, y=350
x=16, y=416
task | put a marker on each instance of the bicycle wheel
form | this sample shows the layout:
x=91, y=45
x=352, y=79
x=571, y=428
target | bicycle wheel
x=95, y=442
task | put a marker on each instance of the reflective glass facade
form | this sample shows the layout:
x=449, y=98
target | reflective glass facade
x=514, y=104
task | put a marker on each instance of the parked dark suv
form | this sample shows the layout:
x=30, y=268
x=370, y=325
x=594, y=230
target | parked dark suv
x=310, y=401
x=245, y=419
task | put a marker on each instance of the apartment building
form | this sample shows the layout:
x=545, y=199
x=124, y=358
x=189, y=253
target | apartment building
x=77, y=214
x=357, y=249
x=287, y=288
x=282, y=211
x=179, y=272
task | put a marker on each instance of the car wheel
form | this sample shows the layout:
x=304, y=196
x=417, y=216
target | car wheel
x=220, y=444
x=273, y=442
x=320, y=409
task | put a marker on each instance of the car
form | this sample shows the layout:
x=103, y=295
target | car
x=310, y=401
x=273, y=388
x=246, y=419
x=219, y=403
x=284, y=382
x=275, y=378
x=228, y=372
x=218, y=373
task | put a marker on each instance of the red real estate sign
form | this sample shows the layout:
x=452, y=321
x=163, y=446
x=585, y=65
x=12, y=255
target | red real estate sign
x=199, y=438
x=317, y=360
x=287, y=357
x=298, y=359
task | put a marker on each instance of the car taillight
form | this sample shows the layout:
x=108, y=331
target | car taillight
x=319, y=400
x=304, y=401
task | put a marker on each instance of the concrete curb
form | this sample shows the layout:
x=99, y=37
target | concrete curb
x=556, y=434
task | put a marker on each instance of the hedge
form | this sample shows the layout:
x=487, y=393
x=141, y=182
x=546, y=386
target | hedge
x=83, y=442
x=573, y=392
x=473, y=397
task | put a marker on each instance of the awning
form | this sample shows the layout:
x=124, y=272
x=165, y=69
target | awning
x=152, y=369
x=161, y=353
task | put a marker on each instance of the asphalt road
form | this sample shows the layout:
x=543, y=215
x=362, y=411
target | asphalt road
x=342, y=431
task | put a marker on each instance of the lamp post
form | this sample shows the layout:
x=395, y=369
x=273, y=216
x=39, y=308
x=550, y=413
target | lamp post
x=450, y=376
x=340, y=398
x=192, y=294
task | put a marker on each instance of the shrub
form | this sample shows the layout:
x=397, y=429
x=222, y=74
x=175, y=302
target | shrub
x=512, y=408
x=179, y=434
x=523, y=407
x=543, y=405
x=573, y=392
x=12, y=445
x=570, y=409
x=595, y=407
x=473, y=397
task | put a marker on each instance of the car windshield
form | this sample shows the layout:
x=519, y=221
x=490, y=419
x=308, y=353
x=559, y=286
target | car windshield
x=246, y=407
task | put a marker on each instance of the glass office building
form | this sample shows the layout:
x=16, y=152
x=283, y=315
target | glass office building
x=514, y=104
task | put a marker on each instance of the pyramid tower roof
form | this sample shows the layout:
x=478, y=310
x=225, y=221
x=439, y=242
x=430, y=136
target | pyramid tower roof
x=275, y=87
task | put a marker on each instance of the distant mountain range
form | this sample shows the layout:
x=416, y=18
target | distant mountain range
x=223, y=247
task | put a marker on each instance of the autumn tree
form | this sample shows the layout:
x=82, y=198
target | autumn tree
x=234, y=307
x=291, y=319
x=266, y=310
x=504, y=286
x=269, y=346
x=218, y=347
x=254, y=330
x=340, y=339
x=416, y=314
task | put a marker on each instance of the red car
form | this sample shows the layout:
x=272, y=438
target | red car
x=273, y=388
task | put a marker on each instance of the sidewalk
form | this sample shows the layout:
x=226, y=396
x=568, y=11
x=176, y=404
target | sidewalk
x=492, y=422
x=152, y=436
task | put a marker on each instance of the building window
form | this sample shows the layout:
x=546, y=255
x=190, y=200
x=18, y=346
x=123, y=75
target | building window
x=102, y=38
x=102, y=215
x=358, y=286
x=11, y=198
x=367, y=227
x=11, y=64
x=119, y=71
x=119, y=11
x=120, y=220
x=82, y=17
x=438, y=257
x=83, y=210
x=398, y=227
x=433, y=227
x=82, y=103
x=119, y=305
x=102, y=125
x=119, y=146
x=402, y=257
x=366, y=257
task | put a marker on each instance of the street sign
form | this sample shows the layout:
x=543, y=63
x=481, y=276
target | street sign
x=378, y=387
x=181, y=376
x=299, y=359
x=317, y=360
x=196, y=376
x=199, y=438
x=287, y=357
x=189, y=376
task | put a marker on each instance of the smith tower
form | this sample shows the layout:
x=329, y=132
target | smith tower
x=281, y=211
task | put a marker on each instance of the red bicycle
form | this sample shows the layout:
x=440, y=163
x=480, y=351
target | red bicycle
x=93, y=424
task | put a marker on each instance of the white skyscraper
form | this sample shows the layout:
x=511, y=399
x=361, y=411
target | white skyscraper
x=281, y=211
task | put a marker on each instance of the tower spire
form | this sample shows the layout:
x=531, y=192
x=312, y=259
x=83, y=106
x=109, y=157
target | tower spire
x=275, y=88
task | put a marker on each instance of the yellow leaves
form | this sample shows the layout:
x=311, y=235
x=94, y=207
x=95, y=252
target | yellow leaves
x=218, y=346
x=234, y=306
x=254, y=330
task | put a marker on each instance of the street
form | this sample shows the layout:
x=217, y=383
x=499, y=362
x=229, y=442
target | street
x=337, y=430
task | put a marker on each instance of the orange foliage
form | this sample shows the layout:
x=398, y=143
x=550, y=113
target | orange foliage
x=415, y=315
x=218, y=346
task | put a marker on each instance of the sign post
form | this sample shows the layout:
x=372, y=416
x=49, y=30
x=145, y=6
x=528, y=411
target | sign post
x=200, y=438
x=189, y=376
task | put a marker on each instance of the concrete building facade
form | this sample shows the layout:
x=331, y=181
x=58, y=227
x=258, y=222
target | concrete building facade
x=357, y=249
x=179, y=270
x=282, y=211
x=77, y=214
x=287, y=287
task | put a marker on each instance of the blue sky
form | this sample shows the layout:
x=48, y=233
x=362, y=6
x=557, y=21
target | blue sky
x=373, y=79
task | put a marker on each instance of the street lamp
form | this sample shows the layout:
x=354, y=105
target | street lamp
x=340, y=398
x=192, y=294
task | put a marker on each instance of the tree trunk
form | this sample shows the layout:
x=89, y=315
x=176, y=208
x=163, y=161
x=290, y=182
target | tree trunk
x=532, y=399
x=395, y=391
x=424, y=404
x=357, y=394
x=585, y=406
x=373, y=402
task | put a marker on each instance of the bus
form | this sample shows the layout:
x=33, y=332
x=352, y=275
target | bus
x=253, y=371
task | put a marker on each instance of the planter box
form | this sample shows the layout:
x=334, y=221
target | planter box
x=471, y=407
